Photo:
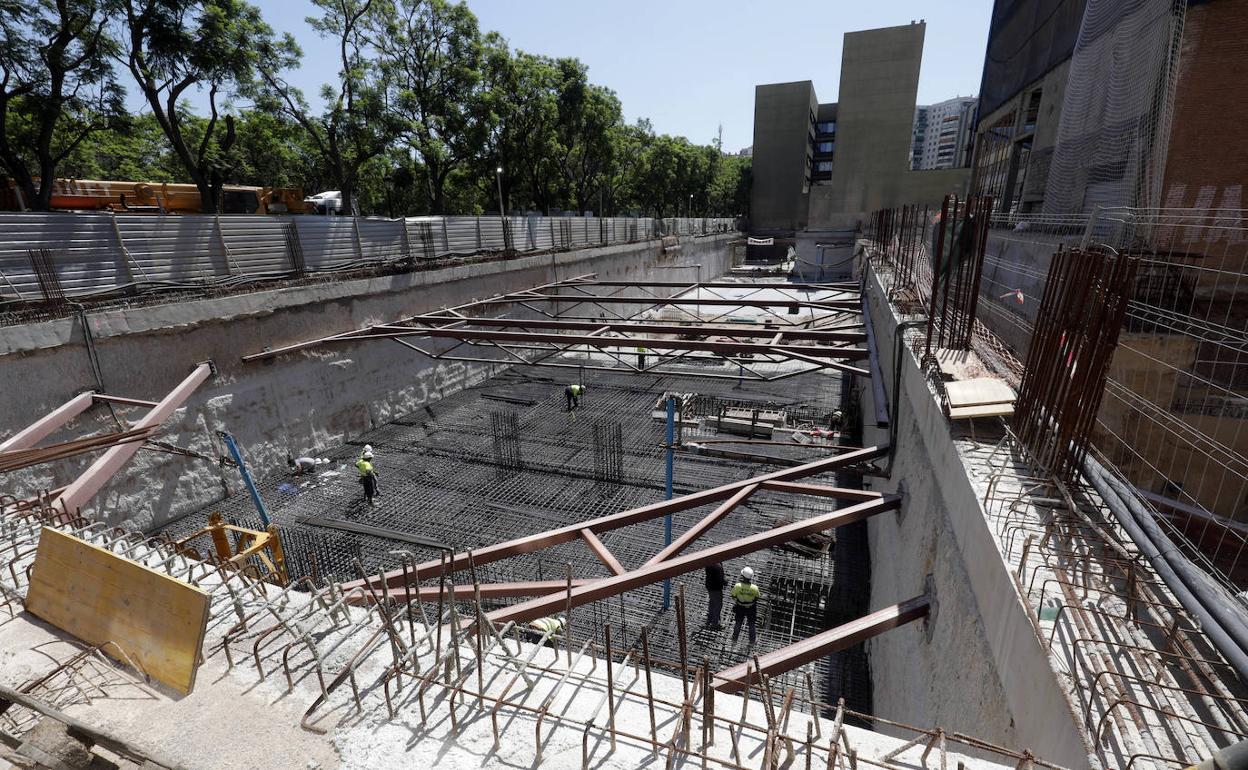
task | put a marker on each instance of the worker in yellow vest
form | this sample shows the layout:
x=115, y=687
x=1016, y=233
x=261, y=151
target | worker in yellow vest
x=745, y=596
x=368, y=474
x=573, y=394
x=546, y=629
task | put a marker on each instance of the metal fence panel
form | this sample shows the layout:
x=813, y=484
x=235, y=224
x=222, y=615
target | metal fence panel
x=102, y=253
x=84, y=250
x=257, y=245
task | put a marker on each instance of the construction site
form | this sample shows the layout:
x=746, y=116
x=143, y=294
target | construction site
x=963, y=487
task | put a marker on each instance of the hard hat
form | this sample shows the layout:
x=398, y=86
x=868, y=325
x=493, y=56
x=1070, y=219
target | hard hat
x=747, y=573
x=368, y=449
x=368, y=454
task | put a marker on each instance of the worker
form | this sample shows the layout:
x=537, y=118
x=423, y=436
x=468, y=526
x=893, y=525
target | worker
x=368, y=474
x=546, y=629
x=301, y=466
x=573, y=394
x=715, y=585
x=745, y=608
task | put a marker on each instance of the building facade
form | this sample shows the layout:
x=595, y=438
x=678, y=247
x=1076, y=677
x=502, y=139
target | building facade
x=943, y=134
x=821, y=168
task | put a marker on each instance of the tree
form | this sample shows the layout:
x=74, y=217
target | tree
x=587, y=115
x=521, y=93
x=57, y=88
x=174, y=45
x=356, y=124
x=434, y=54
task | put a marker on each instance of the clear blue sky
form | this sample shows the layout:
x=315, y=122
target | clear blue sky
x=691, y=65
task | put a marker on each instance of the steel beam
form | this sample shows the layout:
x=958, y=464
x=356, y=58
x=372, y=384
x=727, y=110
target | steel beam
x=536, y=542
x=740, y=330
x=814, y=352
x=49, y=423
x=607, y=587
x=830, y=641
x=830, y=304
x=93, y=478
x=703, y=526
x=819, y=490
x=602, y=552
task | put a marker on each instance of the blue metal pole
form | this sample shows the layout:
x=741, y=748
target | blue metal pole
x=242, y=468
x=667, y=520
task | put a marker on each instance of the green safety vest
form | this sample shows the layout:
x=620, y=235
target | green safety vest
x=364, y=466
x=576, y=389
x=745, y=594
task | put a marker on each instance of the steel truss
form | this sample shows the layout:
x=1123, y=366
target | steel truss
x=119, y=447
x=583, y=315
x=551, y=597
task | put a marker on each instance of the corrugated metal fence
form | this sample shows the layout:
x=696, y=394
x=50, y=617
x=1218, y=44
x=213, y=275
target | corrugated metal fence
x=51, y=256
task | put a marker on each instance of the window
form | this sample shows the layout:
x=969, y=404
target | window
x=824, y=146
x=823, y=165
x=827, y=127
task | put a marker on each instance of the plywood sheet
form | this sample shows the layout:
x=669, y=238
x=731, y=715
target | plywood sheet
x=100, y=597
x=983, y=410
x=978, y=392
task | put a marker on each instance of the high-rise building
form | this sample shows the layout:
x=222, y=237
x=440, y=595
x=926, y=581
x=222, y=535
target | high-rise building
x=943, y=133
x=820, y=168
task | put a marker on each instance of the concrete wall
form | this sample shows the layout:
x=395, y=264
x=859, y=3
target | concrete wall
x=875, y=131
x=298, y=403
x=782, y=126
x=977, y=667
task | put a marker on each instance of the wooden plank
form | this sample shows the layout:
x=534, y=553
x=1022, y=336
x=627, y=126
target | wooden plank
x=100, y=597
x=984, y=410
x=978, y=392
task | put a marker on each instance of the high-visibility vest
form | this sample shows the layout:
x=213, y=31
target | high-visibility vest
x=364, y=466
x=745, y=594
x=575, y=389
x=547, y=625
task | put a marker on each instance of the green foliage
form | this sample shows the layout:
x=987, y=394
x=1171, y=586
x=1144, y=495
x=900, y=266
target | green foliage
x=57, y=88
x=172, y=45
x=423, y=110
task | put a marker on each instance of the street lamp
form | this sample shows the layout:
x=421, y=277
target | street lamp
x=502, y=209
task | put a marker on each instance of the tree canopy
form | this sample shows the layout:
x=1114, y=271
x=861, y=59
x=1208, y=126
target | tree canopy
x=424, y=113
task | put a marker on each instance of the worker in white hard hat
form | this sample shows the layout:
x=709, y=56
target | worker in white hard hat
x=368, y=474
x=745, y=596
x=572, y=394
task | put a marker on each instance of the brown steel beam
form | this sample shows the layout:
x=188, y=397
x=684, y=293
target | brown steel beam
x=687, y=328
x=819, y=490
x=703, y=526
x=602, y=552
x=123, y=400
x=830, y=304
x=536, y=542
x=811, y=352
x=49, y=423
x=495, y=590
x=97, y=475
x=830, y=641
x=678, y=565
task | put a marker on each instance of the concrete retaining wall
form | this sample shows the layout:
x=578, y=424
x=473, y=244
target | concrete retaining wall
x=298, y=403
x=977, y=667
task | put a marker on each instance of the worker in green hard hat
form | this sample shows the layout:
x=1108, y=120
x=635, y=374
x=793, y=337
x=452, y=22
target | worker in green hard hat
x=573, y=394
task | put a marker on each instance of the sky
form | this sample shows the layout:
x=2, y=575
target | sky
x=690, y=66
